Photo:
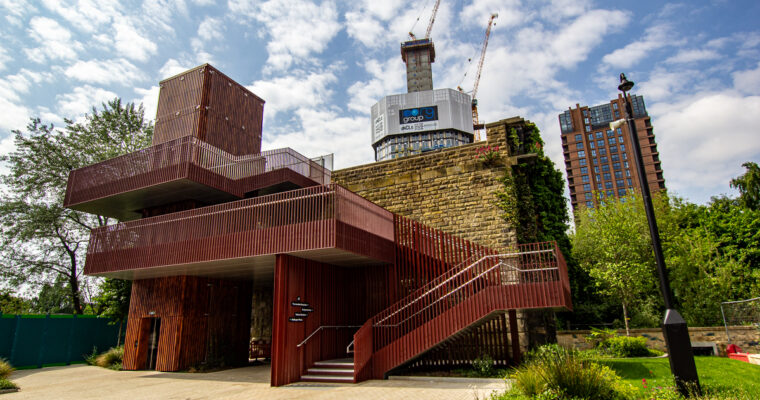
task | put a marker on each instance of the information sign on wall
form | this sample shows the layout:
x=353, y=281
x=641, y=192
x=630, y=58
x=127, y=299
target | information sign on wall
x=305, y=310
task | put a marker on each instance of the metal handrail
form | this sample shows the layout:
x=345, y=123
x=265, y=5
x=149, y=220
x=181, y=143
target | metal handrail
x=349, y=346
x=451, y=292
x=509, y=255
x=325, y=327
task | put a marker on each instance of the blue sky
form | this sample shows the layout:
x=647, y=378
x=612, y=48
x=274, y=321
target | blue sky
x=320, y=65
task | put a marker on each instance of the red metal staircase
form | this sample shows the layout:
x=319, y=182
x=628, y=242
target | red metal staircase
x=533, y=277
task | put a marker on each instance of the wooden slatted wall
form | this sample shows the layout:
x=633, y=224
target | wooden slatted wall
x=202, y=320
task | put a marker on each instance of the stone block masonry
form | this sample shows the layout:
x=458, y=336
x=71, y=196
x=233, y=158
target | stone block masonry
x=449, y=189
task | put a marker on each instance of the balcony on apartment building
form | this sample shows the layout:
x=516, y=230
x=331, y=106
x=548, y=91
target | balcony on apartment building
x=241, y=238
x=185, y=169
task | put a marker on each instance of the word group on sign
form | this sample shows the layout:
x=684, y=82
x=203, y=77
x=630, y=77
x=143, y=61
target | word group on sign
x=299, y=316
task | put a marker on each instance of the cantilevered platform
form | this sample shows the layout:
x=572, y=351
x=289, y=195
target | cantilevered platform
x=241, y=238
x=185, y=169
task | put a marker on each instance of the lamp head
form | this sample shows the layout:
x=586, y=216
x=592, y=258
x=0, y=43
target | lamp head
x=625, y=84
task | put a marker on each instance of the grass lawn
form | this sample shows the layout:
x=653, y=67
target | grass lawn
x=715, y=373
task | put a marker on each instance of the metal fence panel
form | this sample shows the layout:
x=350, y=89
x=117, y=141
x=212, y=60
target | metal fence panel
x=38, y=340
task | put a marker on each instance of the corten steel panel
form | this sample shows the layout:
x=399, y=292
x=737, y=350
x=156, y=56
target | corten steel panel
x=201, y=319
x=336, y=296
x=180, y=170
x=206, y=104
x=296, y=221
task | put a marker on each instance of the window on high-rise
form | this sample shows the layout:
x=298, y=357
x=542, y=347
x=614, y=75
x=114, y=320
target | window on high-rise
x=625, y=163
x=613, y=149
x=620, y=131
x=607, y=176
x=588, y=128
x=621, y=192
x=587, y=187
x=628, y=172
x=619, y=183
x=599, y=187
x=590, y=136
x=596, y=169
x=590, y=204
x=600, y=143
x=625, y=156
x=589, y=196
x=593, y=153
x=610, y=133
x=591, y=145
x=582, y=161
x=584, y=170
x=615, y=105
x=602, y=152
x=605, y=167
x=599, y=135
x=598, y=178
x=581, y=153
x=616, y=166
x=608, y=185
x=584, y=178
x=615, y=157
x=595, y=161
x=630, y=182
x=578, y=137
x=618, y=174
x=603, y=159
x=611, y=140
x=579, y=145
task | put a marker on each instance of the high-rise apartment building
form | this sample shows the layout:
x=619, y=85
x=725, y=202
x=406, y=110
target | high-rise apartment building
x=599, y=161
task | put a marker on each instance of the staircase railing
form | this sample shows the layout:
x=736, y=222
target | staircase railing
x=533, y=276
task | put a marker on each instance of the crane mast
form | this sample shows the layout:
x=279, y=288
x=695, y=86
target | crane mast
x=475, y=123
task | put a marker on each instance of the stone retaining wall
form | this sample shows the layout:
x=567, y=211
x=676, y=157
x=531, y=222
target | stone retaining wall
x=746, y=337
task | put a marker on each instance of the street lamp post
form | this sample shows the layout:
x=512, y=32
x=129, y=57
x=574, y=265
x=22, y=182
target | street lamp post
x=674, y=327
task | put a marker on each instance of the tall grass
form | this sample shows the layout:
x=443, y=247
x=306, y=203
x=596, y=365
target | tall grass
x=5, y=369
x=563, y=373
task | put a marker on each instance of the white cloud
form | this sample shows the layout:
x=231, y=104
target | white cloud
x=748, y=81
x=211, y=29
x=703, y=140
x=131, y=43
x=690, y=56
x=656, y=37
x=173, y=67
x=15, y=10
x=81, y=100
x=388, y=77
x=13, y=115
x=55, y=41
x=85, y=15
x=295, y=92
x=321, y=131
x=149, y=99
x=296, y=29
x=104, y=72
x=4, y=58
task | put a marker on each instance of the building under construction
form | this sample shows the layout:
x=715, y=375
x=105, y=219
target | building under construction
x=425, y=119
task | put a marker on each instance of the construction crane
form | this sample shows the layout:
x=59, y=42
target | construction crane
x=430, y=23
x=475, y=123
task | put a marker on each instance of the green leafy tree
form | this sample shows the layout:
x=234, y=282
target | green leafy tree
x=749, y=186
x=612, y=244
x=113, y=301
x=42, y=242
x=10, y=304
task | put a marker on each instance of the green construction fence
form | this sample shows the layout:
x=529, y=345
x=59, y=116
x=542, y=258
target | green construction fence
x=34, y=341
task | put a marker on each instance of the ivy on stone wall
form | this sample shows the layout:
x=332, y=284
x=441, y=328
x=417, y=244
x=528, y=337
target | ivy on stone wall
x=533, y=202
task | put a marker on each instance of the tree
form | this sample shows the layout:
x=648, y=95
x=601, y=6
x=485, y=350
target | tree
x=748, y=185
x=612, y=244
x=113, y=301
x=42, y=242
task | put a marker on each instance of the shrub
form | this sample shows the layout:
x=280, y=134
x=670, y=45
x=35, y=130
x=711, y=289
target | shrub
x=6, y=384
x=111, y=358
x=5, y=369
x=483, y=365
x=625, y=346
x=558, y=373
x=598, y=336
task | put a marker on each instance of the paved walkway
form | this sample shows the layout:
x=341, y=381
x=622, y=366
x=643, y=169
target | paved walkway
x=78, y=382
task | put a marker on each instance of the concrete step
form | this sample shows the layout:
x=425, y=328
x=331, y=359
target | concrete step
x=331, y=371
x=344, y=363
x=327, y=378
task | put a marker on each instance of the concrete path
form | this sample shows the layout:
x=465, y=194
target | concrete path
x=79, y=382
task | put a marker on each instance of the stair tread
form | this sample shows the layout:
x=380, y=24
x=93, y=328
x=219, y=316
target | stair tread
x=328, y=377
x=344, y=370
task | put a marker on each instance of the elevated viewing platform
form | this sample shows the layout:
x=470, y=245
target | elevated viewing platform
x=241, y=238
x=185, y=169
